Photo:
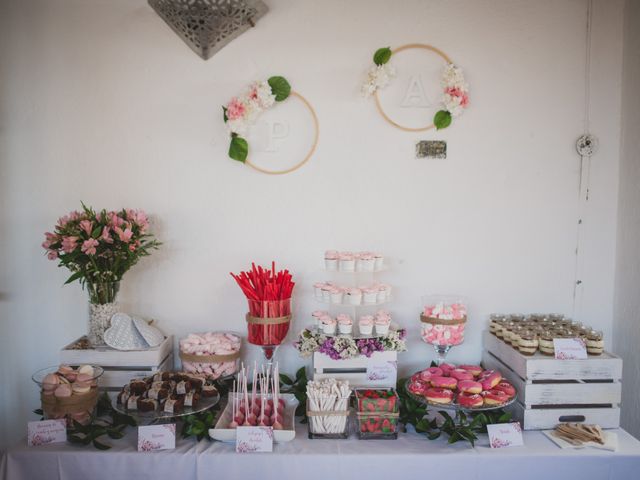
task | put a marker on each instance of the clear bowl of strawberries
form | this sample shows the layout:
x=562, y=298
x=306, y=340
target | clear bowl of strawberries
x=377, y=412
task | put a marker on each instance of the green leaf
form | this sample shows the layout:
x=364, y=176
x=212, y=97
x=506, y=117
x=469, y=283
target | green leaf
x=238, y=149
x=96, y=232
x=279, y=87
x=382, y=56
x=115, y=434
x=224, y=114
x=38, y=411
x=285, y=379
x=74, y=277
x=442, y=119
x=100, y=445
x=301, y=375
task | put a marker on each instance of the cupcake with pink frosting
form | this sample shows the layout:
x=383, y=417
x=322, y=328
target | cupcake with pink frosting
x=331, y=260
x=384, y=293
x=328, y=325
x=317, y=290
x=378, y=261
x=369, y=294
x=326, y=292
x=336, y=295
x=365, y=324
x=382, y=324
x=353, y=296
x=366, y=262
x=317, y=316
x=345, y=324
x=346, y=262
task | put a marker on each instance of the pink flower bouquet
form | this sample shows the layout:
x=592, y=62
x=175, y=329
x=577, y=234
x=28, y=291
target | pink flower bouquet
x=99, y=247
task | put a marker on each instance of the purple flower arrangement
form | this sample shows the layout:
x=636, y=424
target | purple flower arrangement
x=339, y=348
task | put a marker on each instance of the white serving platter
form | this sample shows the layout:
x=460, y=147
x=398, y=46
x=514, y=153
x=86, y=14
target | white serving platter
x=222, y=433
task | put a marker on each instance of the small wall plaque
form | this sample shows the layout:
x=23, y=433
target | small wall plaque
x=431, y=149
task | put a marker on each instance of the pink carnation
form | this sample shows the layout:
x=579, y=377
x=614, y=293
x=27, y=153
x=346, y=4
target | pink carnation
x=69, y=244
x=52, y=254
x=235, y=109
x=460, y=94
x=89, y=246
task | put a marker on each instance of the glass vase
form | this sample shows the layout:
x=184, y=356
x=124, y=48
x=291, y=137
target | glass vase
x=102, y=306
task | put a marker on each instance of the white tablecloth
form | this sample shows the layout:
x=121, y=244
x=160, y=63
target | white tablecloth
x=412, y=456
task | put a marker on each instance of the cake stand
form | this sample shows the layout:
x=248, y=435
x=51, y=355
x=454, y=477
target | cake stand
x=157, y=416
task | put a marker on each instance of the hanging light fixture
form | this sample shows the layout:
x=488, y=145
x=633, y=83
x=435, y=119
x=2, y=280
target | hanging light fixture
x=208, y=25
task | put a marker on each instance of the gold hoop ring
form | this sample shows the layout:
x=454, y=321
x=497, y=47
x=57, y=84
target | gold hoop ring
x=313, y=146
x=410, y=46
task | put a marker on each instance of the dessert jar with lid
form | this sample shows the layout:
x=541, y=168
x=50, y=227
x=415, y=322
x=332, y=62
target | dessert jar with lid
x=545, y=343
x=528, y=342
x=595, y=342
x=377, y=413
x=494, y=321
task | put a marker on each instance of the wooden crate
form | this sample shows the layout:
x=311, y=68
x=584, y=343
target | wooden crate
x=121, y=366
x=551, y=391
x=360, y=370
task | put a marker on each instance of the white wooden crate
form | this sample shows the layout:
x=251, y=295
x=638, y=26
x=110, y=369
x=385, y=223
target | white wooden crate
x=121, y=366
x=358, y=370
x=552, y=391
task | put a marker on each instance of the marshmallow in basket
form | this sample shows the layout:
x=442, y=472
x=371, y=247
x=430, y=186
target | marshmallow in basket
x=214, y=354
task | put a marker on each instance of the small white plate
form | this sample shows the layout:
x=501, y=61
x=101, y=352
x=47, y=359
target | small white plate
x=222, y=433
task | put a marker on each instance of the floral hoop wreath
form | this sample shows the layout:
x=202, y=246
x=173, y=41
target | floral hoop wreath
x=241, y=112
x=455, y=97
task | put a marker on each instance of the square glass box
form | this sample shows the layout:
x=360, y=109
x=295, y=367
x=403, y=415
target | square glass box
x=377, y=412
x=329, y=424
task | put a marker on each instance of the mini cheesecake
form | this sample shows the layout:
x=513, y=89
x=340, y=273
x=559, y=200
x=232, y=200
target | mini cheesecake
x=595, y=347
x=546, y=347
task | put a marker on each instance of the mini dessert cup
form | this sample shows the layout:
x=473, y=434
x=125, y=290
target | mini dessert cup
x=345, y=326
x=326, y=293
x=317, y=317
x=369, y=295
x=346, y=263
x=367, y=262
x=595, y=343
x=354, y=296
x=365, y=325
x=378, y=261
x=328, y=326
x=317, y=290
x=336, y=295
x=381, y=295
x=382, y=326
x=331, y=260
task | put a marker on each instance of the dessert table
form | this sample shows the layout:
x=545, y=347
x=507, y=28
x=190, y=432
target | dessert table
x=412, y=456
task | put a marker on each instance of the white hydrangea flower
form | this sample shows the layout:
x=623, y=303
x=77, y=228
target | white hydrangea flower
x=265, y=96
x=453, y=77
x=378, y=77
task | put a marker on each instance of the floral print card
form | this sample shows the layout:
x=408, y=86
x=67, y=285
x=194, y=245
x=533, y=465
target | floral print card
x=254, y=439
x=157, y=437
x=505, y=435
x=45, y=432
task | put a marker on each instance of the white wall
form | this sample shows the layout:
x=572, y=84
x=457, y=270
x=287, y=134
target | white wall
x=101, y=102
x=626, y=319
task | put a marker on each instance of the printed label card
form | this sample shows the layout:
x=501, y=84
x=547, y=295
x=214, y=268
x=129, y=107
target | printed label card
x=570, y=349
x=254, y=439
x=157, y=437
x=46, y=432
x=505, y=435
x=382, y=370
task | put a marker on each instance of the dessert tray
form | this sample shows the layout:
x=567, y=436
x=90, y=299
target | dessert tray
x=453, y=405
x=145, y=417
x=223, y=433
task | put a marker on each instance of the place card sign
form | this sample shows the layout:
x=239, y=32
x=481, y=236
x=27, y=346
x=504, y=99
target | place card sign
x=503, y=435
x=570, y=349
x=254, y=439
x=46, y=432
x=157, y=437
x=382, y=370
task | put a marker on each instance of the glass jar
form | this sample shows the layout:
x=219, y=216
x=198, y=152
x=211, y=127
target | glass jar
x=333, y=424
x=515, y=335
x=494, y=321
x=595, y=342
x=377, y=413
x=545, y=343
x=528, y=342
x=506, y=331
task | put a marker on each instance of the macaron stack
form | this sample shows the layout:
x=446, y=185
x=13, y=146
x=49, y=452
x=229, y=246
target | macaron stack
x=468, y=386
x=213, y=354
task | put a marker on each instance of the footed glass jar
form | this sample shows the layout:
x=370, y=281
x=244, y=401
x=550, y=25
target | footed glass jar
x=102, y=306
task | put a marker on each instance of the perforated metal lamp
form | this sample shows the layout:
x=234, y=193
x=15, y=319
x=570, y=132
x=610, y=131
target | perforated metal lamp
x=208, y=25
